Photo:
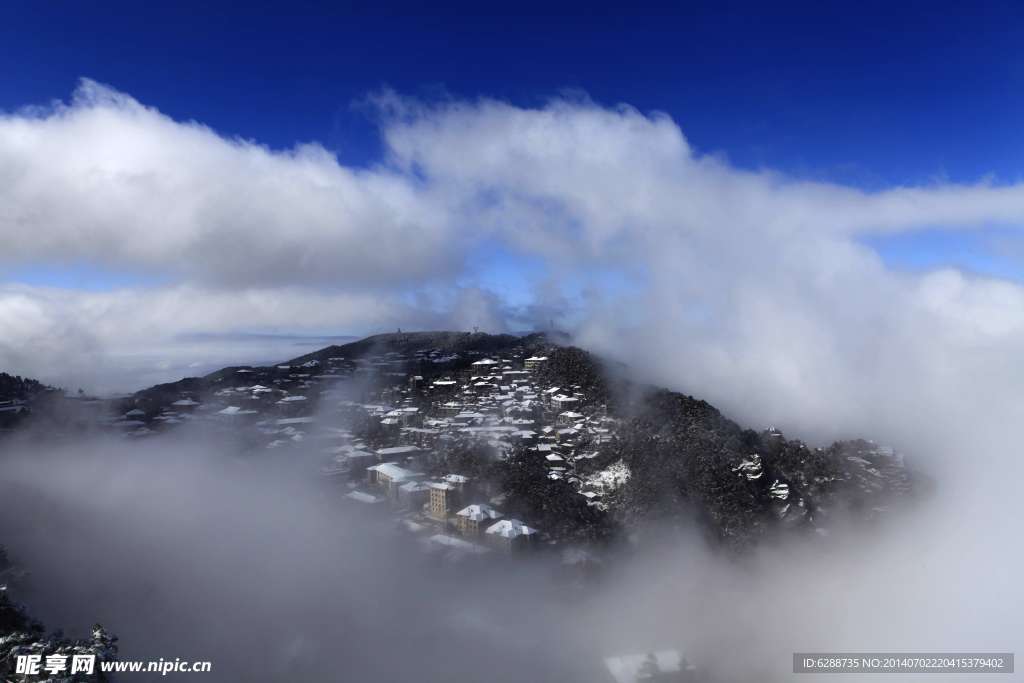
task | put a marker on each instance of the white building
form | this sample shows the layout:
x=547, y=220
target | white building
x=510, y=535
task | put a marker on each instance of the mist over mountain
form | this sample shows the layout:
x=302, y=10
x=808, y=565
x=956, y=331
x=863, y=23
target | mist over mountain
x=270, y=481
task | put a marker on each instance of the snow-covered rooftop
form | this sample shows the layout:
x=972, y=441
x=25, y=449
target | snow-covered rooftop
x=458, y=544
x=478, y=513
x=392, y=471
x=235, y=410
x=510, y=528
x=398, y=450
x=361, y=497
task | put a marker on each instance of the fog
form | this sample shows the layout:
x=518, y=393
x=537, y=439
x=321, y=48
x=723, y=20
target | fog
x=185, y=550
x=186, y=546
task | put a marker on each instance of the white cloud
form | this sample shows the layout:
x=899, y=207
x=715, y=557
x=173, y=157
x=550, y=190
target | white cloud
x=126, y=339
x=749, y=287
x=753, y=288
x=106, y=179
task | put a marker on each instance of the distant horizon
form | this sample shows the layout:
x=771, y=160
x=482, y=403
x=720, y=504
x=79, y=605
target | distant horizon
x=236, y=343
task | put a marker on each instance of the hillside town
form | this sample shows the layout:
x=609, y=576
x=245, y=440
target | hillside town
x=413, y=435
x=494, y=444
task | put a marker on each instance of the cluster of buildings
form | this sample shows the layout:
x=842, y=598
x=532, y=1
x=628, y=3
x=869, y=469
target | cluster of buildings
x=386, y=424
x=440, y=510
x=275, y=401
x=490, y=405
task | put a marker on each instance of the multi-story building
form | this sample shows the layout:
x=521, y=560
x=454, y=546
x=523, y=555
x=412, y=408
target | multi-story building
x=413, y=495
x=442, y=497
x=472, y=519
x=511, y=535
x=388, y=476
x=532, y=362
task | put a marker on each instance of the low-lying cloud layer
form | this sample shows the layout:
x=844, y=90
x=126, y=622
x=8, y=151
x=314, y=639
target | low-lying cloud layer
x=258, y=567
x=186, y=548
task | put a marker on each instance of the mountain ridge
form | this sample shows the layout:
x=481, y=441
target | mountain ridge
x=678, y=456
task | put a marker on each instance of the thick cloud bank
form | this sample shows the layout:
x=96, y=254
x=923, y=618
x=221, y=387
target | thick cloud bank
x=110, y=180
x=748, y=288
x=187, y=549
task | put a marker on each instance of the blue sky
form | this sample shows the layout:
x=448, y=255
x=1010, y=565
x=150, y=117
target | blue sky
x=889, y=93
x=877, y=95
